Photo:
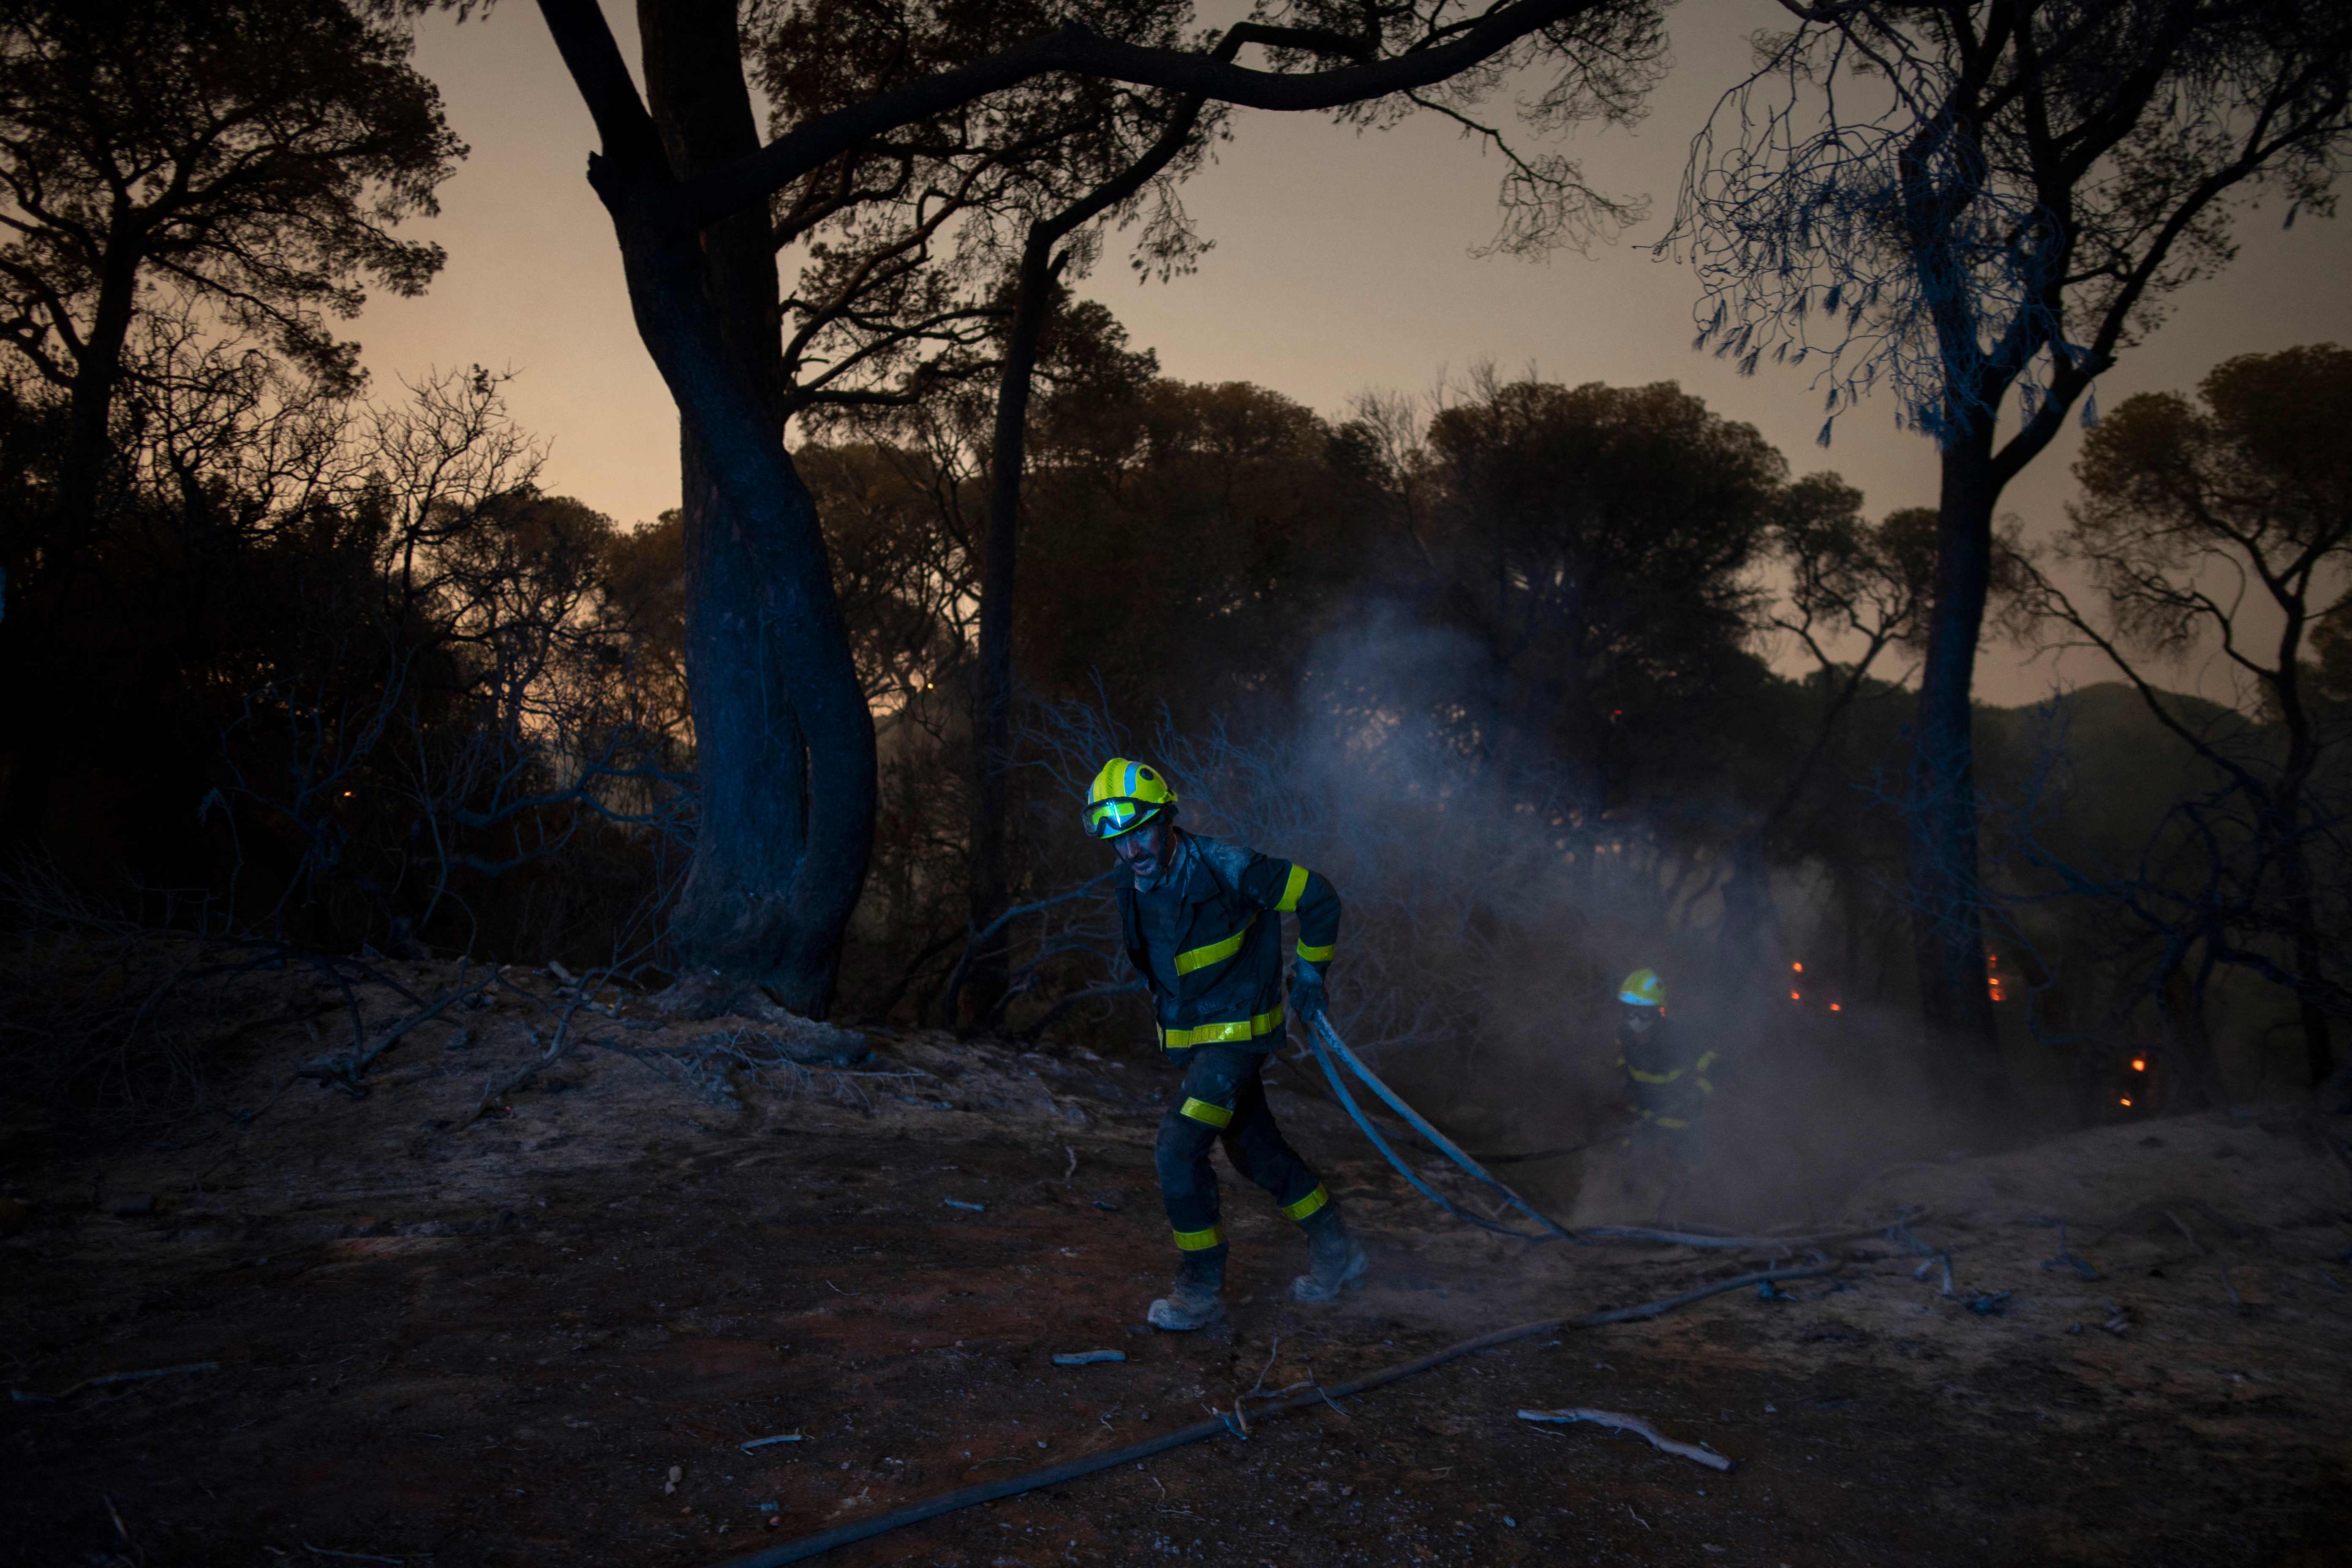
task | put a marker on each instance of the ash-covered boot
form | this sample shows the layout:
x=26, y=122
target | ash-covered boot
x=1192, y=1302
x=1336, y=1258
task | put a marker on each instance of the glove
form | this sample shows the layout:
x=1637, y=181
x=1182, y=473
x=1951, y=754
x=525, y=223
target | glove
x=1306, y=994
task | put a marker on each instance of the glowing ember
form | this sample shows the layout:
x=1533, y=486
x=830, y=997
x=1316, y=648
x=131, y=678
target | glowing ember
x=2139, y=1063
x=1797, y=967
x=1835, y=1008
x=1794, y=997
x=2127, y=1102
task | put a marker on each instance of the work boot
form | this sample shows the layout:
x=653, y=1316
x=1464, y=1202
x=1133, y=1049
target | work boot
x=1192, y=1302
x=1336, y=1258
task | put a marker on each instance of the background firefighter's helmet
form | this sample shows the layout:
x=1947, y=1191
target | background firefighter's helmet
x=1642, y=988
x=1124, y=796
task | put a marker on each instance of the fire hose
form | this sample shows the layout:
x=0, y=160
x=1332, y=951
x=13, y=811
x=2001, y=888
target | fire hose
x=809, y=1546
x=1331, y=1051
x=1328, y=1044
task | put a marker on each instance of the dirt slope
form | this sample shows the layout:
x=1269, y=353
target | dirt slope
x=495, y=1342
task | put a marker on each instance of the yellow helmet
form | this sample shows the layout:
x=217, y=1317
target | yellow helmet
x=1642, y=988
x=1124, y=796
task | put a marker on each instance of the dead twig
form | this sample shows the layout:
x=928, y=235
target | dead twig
x=2065, y=1260
x=1257, y=1387
x=1636, y=1426
x=120, y=1529
x=1945, y=1259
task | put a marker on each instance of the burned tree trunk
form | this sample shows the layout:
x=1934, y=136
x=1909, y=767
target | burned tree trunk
x=1947, y=903
x=783, y=741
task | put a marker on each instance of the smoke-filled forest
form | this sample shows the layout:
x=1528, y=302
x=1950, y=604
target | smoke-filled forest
x=531, y=1030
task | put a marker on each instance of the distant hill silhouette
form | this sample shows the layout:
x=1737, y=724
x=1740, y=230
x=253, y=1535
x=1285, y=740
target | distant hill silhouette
x=2121, y=770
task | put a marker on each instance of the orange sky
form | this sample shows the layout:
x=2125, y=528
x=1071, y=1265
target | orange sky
x=1341, y=263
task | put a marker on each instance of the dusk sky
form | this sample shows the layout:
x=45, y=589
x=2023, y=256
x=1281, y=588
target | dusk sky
x=1341, y=262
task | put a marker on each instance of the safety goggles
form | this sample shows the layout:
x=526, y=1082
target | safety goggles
x=1110, y=818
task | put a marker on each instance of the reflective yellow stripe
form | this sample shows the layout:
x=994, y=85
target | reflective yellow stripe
x=1640, y=1076
x=1201, y=1110
x=1215, y=952
x=1307, y=1205
x=1672, y=1122
x=1704, y=1062
x=1201, y=1240
x=1704, y=1087
x=1221, y=1033
x=1317, y=954
x=1292, y=889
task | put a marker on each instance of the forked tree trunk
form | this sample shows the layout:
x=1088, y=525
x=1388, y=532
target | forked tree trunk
x=783, y=741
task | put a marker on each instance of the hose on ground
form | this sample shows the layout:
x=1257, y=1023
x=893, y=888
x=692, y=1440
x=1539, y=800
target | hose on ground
x=809, y=1546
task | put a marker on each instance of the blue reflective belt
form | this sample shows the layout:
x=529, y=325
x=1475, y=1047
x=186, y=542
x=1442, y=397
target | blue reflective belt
x=1326, y=1041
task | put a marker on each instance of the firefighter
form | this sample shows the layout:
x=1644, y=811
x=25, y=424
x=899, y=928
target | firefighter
x=1668, y=1090
x=1201, y=923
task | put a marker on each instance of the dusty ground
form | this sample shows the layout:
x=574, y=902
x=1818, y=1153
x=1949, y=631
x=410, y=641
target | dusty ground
x=498, y=1342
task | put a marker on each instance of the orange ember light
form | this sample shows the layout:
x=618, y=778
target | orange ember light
x=1835, y=1007
x=2127, y=1102
x=1794, y=997
x=1797, y=967
x=2139, y=1063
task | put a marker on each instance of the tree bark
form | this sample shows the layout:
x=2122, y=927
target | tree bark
x=97, y=373
x=990, y=876
x=2196, y=1082
x=1947, y=907
x=2286, y=823
x=783, y=741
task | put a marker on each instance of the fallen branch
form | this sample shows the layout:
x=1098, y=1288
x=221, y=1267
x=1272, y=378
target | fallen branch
x=492, y=1094
x=1636, y=1426
x=1070, y=1470
x=26, y=1396
x=345, y=1068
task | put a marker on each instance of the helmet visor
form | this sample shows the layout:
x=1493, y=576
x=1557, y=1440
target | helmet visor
x=1110, y=818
